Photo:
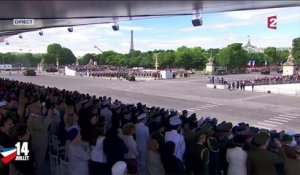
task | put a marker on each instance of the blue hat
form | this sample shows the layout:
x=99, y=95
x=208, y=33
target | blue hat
x=72, y=134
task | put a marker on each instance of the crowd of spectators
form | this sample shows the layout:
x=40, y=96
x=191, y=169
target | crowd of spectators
x=241, y=84
x=96, y=68
x=113, y=71
x=105, y=136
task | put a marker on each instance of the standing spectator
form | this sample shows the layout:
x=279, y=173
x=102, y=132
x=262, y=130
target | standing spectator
x=237, y=157
x=142, y=138
x=171, y=163
x=5, y=140
x=114, y=147
x=106, y=112
x=176, y=137
x=260, y=160
x=197, y=155
x=155, y=148
x=132, y=154
x=98, y=164
x=78, y=156
x=21, y=134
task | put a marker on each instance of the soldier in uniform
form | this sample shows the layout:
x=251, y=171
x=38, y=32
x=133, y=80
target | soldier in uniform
x=197, y=155
x=222, y=133
x=262, y=161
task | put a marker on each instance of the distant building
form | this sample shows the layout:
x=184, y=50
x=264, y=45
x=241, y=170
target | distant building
x=251, y=48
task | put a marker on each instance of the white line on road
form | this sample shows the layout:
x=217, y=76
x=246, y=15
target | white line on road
x=297, y=115
x=283, y=118
x=267, y=124
x=293, y=117
x=267, y=121
x=204, y=107
x=280, y=120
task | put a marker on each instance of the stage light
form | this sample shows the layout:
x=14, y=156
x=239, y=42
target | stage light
x=197, y=18
x=70, y=29
x=197, y=22
x=115, y=26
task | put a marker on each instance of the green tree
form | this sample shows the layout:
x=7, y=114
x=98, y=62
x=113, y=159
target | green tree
x=233, y=56
x=66, y=56
x=199, y=58
x=54, y=49
x=282, y=56
x=86, y=58
x=296, y=49
x=184, y=57
x=167, y=59
x=271, y=56
x=49, y=58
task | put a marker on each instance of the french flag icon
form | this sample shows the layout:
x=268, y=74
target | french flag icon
x=8, y=154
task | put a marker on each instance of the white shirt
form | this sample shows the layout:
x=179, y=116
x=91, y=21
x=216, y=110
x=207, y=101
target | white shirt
x=142, y=137
x=97, y=153
x=237, y=161
x=107, y=114
x=178, y=139
x=132, y=147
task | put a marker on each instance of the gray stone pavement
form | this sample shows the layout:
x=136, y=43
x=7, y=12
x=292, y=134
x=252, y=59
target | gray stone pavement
x=263, y=110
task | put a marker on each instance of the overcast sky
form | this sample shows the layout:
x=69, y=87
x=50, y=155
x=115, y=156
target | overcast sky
x=218, y=30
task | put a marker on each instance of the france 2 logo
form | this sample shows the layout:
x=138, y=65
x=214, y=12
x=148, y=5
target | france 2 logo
x=20, y=153
x=272, y=22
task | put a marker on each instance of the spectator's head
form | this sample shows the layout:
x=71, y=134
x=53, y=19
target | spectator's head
x=128, y=129
x=6, y=124
x=262, y=139
x=175, y=122
x=22, y=133
x=94, y=119
x=287, y=139
x=239, y=140
x=119, y=168
x=71, y=119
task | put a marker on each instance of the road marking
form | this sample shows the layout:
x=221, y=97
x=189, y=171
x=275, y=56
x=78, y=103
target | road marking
x=206, y=106
x=283, y=118
x=273, y=122
x=297, y=115
x=261, y=127
x=280, y=120
x=203, y=107
x=261, y=123
x=293, y=117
